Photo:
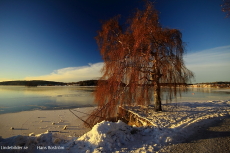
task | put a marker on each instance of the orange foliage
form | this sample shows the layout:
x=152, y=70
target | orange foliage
x=226, y=7
x=137, y=59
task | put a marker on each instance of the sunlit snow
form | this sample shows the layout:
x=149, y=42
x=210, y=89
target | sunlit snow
x=176, y=122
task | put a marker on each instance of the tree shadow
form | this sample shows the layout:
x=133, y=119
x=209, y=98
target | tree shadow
x=217, y=129
x=73, y=127
x=20, y=129
x=202, y=130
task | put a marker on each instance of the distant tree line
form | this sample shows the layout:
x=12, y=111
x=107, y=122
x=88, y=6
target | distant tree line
x=87, y=83
x=217, y=82
x=53, y=83
x=32, y=83
x=95, y=83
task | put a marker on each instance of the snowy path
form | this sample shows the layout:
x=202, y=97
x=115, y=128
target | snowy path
x=212, y=139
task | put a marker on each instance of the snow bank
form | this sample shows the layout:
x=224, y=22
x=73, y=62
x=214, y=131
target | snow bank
x=106, y=136
x=170, y=126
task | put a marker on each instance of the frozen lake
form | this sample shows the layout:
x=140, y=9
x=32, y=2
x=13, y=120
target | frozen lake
x=204, y=94
x=20, y=98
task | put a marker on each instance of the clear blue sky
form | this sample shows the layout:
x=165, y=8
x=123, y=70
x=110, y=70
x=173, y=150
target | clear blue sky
x=54, y=39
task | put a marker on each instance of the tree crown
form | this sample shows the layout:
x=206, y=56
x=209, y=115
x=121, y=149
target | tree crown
x=141, y=56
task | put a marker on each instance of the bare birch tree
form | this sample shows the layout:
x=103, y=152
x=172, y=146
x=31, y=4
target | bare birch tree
x=138, y=59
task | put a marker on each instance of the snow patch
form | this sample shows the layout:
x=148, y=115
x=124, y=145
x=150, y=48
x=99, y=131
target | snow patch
x=172, y=125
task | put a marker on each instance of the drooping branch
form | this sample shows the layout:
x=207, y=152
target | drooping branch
x=138, y=59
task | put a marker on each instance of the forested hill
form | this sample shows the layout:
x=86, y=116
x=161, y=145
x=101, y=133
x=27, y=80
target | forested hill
x=48, y=83
x=53, y=83
x=32, y=83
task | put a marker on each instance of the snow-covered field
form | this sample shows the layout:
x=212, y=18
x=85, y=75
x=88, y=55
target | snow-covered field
x=176, y=122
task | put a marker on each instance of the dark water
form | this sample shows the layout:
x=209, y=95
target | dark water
x=20, y=98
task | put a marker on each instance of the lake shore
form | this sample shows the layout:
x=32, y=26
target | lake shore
x=35, y=122
x=176, y=124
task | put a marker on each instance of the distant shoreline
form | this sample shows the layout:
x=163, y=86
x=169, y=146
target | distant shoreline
x=49, y=83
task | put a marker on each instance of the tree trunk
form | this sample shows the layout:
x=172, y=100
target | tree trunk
x=157, y=96
x=157, y=88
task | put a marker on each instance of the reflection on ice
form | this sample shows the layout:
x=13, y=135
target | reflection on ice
x=20, y=98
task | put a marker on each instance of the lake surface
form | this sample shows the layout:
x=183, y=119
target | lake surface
x=20, y=98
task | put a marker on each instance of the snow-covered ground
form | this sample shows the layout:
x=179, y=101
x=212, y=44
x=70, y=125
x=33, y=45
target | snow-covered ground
x=176, y=122
x=39, y=121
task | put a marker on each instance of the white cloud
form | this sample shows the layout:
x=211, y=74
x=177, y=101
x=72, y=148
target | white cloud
x=72, y=74
x=5, y=79
x=210, y=65
x=213, y=55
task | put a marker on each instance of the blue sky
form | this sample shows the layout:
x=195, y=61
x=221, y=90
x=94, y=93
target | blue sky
x=54, y=39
